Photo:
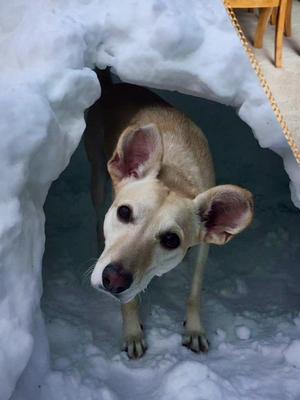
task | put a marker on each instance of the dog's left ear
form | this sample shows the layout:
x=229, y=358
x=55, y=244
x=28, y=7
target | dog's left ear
x=138, y=154
x=224, y=211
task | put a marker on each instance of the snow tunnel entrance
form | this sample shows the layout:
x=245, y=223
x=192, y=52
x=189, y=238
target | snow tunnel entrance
x=251, y=298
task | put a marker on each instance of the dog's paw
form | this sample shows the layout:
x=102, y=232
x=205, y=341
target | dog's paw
x=135, y=346
x=195, y=341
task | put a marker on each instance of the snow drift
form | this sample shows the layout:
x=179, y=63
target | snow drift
x=48, y=51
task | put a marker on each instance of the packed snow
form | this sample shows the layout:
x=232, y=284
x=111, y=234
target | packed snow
x=292, y=353
x=48, y=51
x=243, y=332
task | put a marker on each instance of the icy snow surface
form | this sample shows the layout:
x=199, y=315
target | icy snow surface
x=47, y=49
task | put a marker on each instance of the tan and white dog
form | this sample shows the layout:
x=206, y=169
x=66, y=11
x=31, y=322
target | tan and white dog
x=165, y=201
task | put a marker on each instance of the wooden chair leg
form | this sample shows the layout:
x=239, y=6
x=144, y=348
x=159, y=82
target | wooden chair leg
x=279, y=33
x=288, y=19
x=274, y=16
x=265, y=14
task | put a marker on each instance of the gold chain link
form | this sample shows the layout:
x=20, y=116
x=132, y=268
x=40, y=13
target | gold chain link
x=263, y=81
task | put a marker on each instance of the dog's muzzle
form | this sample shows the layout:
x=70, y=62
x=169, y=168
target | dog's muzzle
x=115, y=279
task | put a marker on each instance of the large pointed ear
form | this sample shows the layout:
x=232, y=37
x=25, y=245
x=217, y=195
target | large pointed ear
x=138, y=154
x=224, y=211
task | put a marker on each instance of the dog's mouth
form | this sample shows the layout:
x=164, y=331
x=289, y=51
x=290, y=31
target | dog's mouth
x=115, y=296
x=124, y=297
x=138, y=285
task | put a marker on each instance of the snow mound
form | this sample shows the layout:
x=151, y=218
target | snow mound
x=194, y=381
x=242, y=332
x=292, y=353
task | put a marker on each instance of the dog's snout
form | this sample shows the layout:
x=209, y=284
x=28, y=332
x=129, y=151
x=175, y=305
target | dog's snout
x=115, y=279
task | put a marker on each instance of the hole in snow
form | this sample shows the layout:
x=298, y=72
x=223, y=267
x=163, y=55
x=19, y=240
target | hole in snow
x=251, y=282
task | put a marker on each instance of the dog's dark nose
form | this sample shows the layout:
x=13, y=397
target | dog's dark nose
x=115, y=279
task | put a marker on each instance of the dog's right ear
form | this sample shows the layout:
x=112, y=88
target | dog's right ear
x=138, y=154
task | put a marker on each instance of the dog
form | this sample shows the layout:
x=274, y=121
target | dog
x=165, y=201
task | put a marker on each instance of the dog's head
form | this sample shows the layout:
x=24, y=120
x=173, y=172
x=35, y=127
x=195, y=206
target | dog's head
x=148, y=229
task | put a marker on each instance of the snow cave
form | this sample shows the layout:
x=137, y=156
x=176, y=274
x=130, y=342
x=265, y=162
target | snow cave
x=59, y=338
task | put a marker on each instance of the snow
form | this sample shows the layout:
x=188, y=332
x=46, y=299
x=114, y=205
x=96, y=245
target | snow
x=243, y=332
x=48, y=49
x=201, y=384
x=292, y=353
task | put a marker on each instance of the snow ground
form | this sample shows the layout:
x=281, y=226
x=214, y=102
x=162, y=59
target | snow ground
x=251, y=292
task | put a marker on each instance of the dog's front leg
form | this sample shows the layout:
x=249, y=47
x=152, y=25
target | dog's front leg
x=194, y=335
x=133, y=336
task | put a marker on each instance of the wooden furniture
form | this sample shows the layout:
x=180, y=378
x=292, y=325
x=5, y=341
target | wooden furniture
x=266, y=8
x=288, y=18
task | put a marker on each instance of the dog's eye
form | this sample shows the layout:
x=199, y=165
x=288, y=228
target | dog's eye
x=124, y=214
x=170, y=240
